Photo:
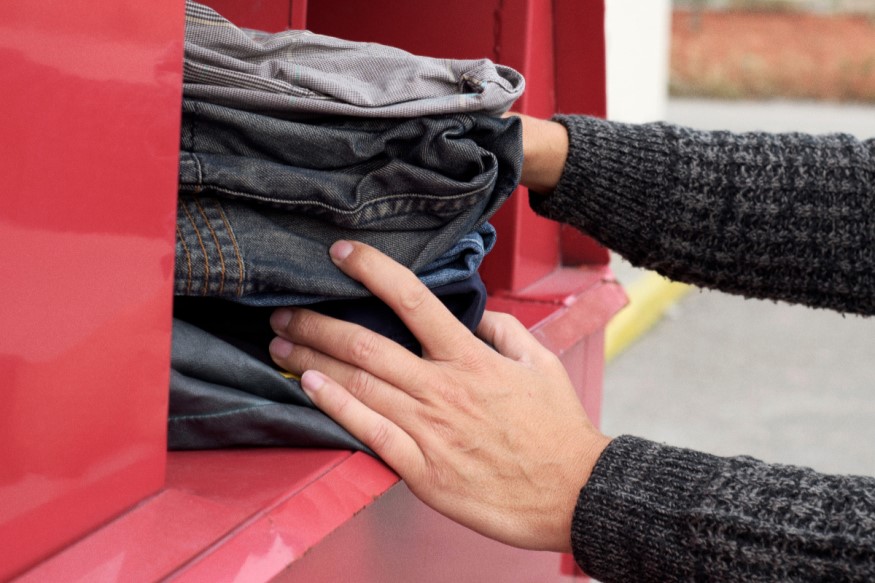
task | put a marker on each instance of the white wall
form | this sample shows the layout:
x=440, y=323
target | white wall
x=637, y=41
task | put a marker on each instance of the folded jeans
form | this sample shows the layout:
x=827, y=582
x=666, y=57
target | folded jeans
x=262, y=199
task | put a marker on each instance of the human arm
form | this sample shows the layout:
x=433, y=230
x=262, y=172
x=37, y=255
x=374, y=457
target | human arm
x=496, y=440
x=780, y=216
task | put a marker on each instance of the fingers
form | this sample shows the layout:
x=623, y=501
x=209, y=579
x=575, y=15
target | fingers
x=375, y=393
x=387, y=440
x=509, y=337
x=345, y=343
x=438, y=331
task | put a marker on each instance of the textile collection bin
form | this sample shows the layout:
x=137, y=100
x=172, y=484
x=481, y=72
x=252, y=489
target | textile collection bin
x=91, y=126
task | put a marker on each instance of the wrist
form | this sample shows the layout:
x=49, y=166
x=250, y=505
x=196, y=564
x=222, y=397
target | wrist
x=545, y=149
x=587, y=457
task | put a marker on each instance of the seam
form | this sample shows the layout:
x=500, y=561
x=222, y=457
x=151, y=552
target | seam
x=222, y=414
x=187, y=260
x=203, y=249
x=456, y=199
x=233, y=242
x=200, y=208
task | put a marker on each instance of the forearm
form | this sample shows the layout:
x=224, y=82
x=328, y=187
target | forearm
x=656, y=513
x=788, y=217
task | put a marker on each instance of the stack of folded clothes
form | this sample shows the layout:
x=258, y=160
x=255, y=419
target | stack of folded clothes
x=289, y=142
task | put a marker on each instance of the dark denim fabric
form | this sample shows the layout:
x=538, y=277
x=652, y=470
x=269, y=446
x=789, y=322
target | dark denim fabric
x=212, y=260
x=223, y=397
x=262, y=199
x=225, y=392
x=248, y=327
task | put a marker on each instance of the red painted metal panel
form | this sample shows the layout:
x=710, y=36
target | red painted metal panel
x=580, y=88
x=458, y=29
x=268, y=15
x=90, y=118
x=397, y=539
x=225, y=515
x=528, y=245
x=580, y=57
x=298, y=18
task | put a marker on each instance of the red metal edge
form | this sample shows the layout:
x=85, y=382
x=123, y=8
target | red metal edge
x=243, y=512
x=562, y=307
x=269, y=543
x=266, y=15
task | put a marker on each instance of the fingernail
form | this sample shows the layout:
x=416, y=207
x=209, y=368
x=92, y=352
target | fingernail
x=279, y=320
x=340, y=250
x=312, y=380
x=280, y=348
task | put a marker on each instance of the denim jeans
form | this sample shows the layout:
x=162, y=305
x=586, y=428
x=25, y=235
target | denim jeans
x=295, y=71
x=224, y=391
x=248, y=327
x=262, y=199
x=222, y=397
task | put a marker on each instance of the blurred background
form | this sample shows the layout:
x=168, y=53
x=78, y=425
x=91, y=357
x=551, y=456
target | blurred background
x=715, y=372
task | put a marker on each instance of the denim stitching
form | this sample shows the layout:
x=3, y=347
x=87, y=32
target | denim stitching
x=203, y=249
x=216, y=240
x=222, y=414
x=240, y=264
x=453, y=203
x=187, y=259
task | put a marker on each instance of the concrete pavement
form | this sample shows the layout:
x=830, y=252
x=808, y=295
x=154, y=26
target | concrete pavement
x=731, y=376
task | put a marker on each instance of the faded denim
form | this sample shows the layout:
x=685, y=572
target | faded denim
x=296, y=71
x=262, y=199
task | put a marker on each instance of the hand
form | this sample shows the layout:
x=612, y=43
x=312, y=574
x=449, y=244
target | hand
x=545, y=148
x=494, y=439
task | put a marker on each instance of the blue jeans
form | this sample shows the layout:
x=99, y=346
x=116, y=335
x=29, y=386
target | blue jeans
x=262, y=199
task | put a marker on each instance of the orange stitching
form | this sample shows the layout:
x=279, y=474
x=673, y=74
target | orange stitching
x=233, y=242
x=216, y=239
x=187, y=260
x=204, y=249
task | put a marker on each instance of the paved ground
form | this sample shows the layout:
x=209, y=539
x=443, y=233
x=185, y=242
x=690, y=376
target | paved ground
x=732, y=376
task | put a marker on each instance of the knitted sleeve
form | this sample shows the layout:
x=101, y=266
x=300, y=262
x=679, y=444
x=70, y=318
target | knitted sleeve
x=650, y=512
x=782, y=216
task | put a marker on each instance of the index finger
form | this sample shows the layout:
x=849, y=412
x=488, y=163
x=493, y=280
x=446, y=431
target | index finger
x=438, y=331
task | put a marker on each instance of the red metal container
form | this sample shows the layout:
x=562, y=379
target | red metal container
x=90, y=122
x=91, y=107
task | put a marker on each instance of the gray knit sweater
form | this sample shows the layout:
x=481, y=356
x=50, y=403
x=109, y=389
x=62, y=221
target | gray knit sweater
x=789, y=217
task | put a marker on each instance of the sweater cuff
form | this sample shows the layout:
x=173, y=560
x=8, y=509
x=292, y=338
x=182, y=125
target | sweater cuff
x=611, y=179
x=632, y=517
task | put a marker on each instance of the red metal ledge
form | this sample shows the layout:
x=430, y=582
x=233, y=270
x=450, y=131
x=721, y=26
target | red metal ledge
x=226, y=515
